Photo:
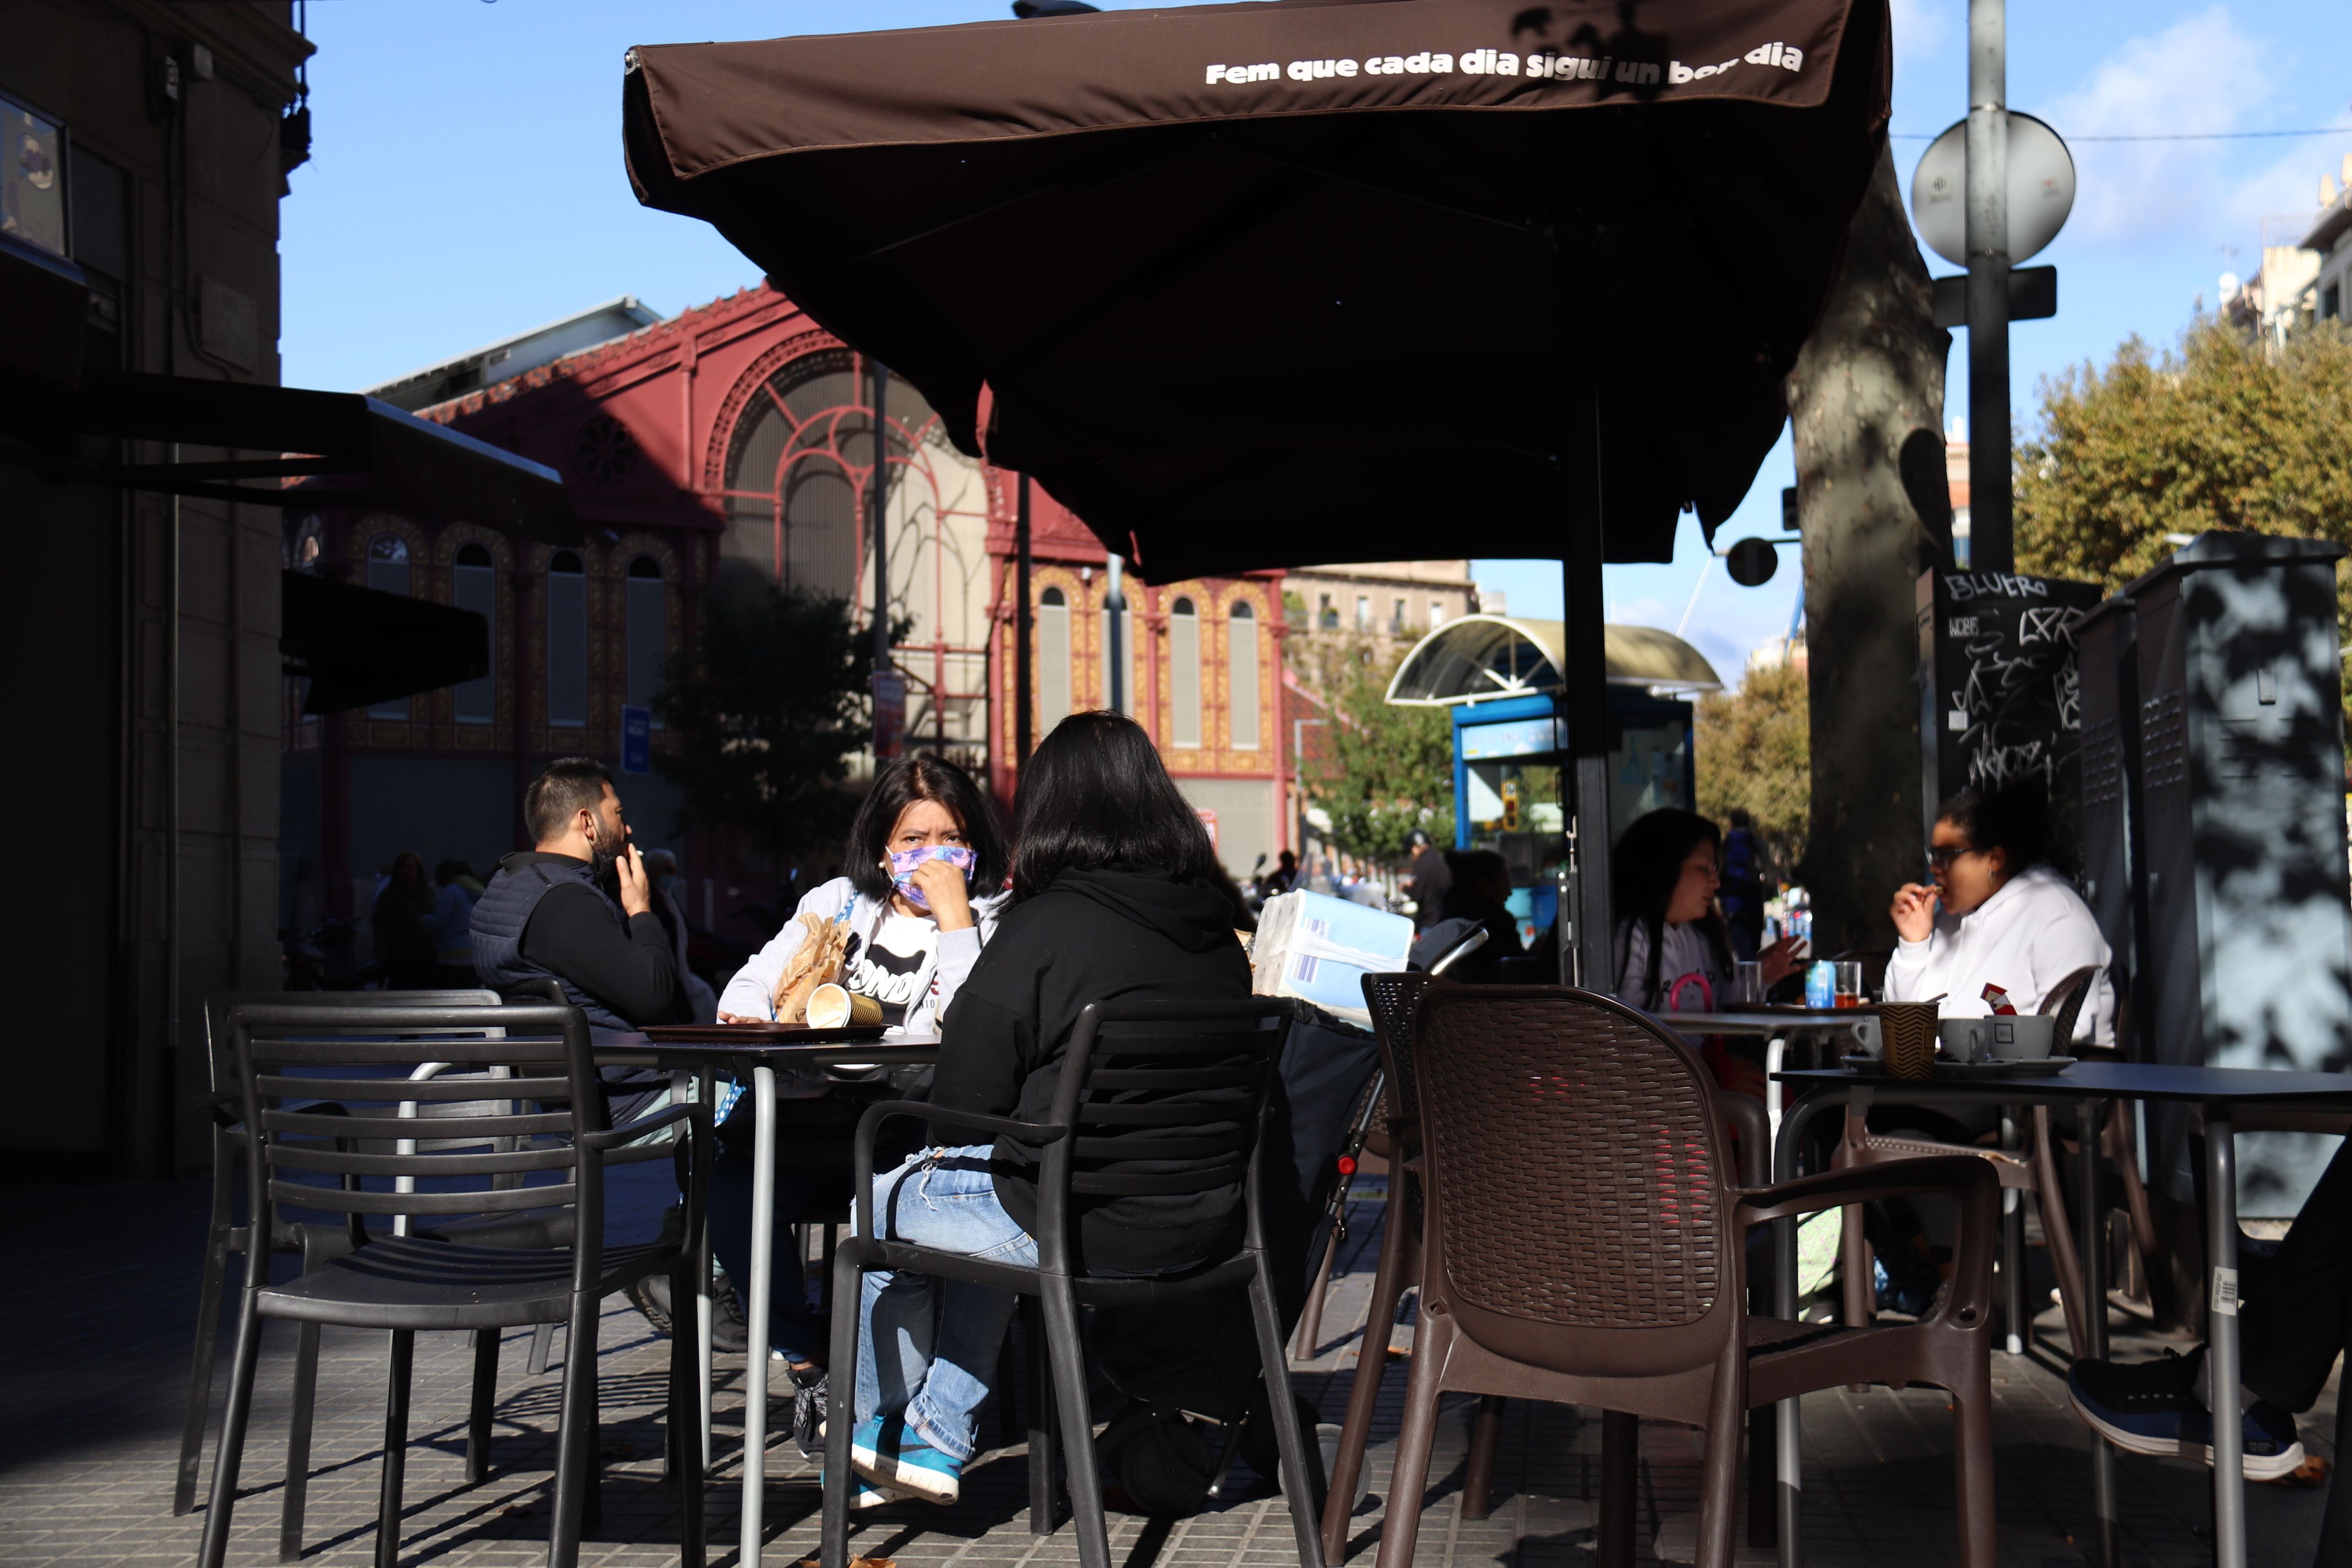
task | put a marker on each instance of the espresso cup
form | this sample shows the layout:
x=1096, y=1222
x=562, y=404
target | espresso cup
x=2024, y=1038
x=1866, y=1039
x=1966, y=1040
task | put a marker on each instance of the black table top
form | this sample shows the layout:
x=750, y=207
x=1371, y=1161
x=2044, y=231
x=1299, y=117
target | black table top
x=617, y=1047
x=2106, y=1080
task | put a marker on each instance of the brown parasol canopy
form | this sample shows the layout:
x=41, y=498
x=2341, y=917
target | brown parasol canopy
x=1313, y=280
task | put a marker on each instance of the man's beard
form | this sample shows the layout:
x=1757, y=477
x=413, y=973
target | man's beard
x=603, y=851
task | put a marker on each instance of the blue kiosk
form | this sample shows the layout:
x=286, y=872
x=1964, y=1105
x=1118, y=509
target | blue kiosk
x=1501, y=676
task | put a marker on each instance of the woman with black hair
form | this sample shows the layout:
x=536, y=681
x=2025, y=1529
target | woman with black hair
x=1662, y=880
x=1117, y=893
x=927, y=874
x=1998, y=913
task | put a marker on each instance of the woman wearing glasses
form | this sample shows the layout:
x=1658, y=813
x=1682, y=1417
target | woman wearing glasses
x=1998, y=913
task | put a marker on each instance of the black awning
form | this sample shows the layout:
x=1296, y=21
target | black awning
x=363, y=646
x=355, y=450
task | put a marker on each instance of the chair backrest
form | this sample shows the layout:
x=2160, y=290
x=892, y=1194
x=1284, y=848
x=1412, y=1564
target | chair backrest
x=1390, y=998
x=353, y=1155
x=1159, y=1099
x=1579, y=1195
x=2064, y=1003
x=220, y=1061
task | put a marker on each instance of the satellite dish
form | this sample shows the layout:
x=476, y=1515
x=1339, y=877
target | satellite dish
x=2041, y=190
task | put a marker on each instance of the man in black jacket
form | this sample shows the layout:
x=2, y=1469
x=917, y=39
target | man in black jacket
x=546, y=914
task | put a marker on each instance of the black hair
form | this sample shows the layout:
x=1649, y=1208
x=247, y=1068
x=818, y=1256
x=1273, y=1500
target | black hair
x=1740, y=817
x=1642, y=871
x=450, y=870
x=2013, y=817
x=565, y=785
x=1095, y=794
x=1472, y=879
x=902, y=782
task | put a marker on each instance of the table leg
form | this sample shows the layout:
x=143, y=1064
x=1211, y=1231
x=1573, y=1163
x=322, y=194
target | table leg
x=2091, y=1252
x=2221, y=1337
x=1788, y=1414
x=2013, y=1242
x=755, y=1310
x=1776, y=1051
x=705, y=1088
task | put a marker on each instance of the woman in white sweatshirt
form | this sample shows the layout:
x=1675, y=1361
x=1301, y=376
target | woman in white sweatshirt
x=1997, y=914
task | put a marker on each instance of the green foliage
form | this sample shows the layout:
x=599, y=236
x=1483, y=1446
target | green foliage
x=2221, y=434
x=769, y=710
x=1755, y=751
x=1385, y=770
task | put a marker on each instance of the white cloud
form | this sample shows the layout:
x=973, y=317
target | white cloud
x=2201, y=74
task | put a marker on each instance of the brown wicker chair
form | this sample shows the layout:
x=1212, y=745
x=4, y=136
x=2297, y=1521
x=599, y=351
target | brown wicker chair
x=1390, y=998
x=1582, y=1244
x=2029, y=1170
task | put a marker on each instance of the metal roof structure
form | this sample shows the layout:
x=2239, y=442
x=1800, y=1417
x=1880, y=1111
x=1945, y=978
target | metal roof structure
x=1482, y=657
x=511, y=356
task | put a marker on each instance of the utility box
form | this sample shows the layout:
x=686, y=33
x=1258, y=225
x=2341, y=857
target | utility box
x=1998, y=690
x=2106, y=656
x=2242, y=750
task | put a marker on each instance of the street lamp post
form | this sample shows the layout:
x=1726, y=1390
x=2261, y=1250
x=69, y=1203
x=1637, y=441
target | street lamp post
x=1991, y=544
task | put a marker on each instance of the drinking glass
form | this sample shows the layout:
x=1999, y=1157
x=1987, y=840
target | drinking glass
x=1747, y=981
x=1849, y=983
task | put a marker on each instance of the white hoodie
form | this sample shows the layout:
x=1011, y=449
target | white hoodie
x=2032, y=933
x=751, y=994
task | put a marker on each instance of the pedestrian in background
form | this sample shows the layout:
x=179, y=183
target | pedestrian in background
x=403, y=945
x=1426, y=881
x=451, y=926
x=1742, y=894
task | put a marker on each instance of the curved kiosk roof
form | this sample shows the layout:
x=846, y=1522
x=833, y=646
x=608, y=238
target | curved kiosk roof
x=1482, y=657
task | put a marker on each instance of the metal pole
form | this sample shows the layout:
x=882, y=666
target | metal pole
x=2091, y=1251
x=1115, y=617
x=1023, y=622
x=1585, y=679
x=876, y=491
x=2222, y=1346
x=1992, y=546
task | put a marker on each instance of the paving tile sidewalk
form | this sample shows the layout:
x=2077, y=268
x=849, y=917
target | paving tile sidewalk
x=100, y=1285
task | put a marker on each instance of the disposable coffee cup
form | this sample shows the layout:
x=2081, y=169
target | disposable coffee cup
x=1909, y=1031
x=2023, y=1038
x=832, y=1006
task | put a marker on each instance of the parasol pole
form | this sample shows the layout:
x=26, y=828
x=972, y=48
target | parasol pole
x=876, y=494
x=1024, y=712
x=1586, y=930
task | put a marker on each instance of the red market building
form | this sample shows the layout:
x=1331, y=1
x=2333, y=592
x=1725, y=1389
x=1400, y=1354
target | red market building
x=729, y=445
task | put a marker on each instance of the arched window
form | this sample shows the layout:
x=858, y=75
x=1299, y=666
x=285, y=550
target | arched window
x=648, y=630
x=567, y=641
x=474, y=585
x=798, y=460
x=1242, y=670
x=1183, y=674
x=388, y=573
x=1053, y=660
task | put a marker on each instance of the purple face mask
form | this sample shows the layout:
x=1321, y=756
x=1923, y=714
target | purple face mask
x=903, y=863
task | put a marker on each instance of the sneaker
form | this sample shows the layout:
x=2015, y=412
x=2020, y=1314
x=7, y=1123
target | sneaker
x=809, y=1390
x=650, y=1295
x=865, y=1494
x=2151, y=1407
x=885, y=1452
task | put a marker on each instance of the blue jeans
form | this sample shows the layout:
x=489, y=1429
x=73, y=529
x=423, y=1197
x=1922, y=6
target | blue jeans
x=928, y=1346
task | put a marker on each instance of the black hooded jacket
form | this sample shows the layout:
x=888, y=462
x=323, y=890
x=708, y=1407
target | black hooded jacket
x=1092, y=936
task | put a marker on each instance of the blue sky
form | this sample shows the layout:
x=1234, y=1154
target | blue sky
x=467, y=184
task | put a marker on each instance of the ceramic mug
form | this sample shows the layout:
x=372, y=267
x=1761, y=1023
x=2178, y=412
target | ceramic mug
x=1966, y=1040
x=1866, y=1039
x=2024, y=1038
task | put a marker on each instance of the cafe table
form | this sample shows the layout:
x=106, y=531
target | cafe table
x=1779, y=1026
x=2215, y=1092
x=737, y=1050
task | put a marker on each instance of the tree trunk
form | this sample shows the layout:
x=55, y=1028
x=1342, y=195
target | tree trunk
x=1866, y=405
